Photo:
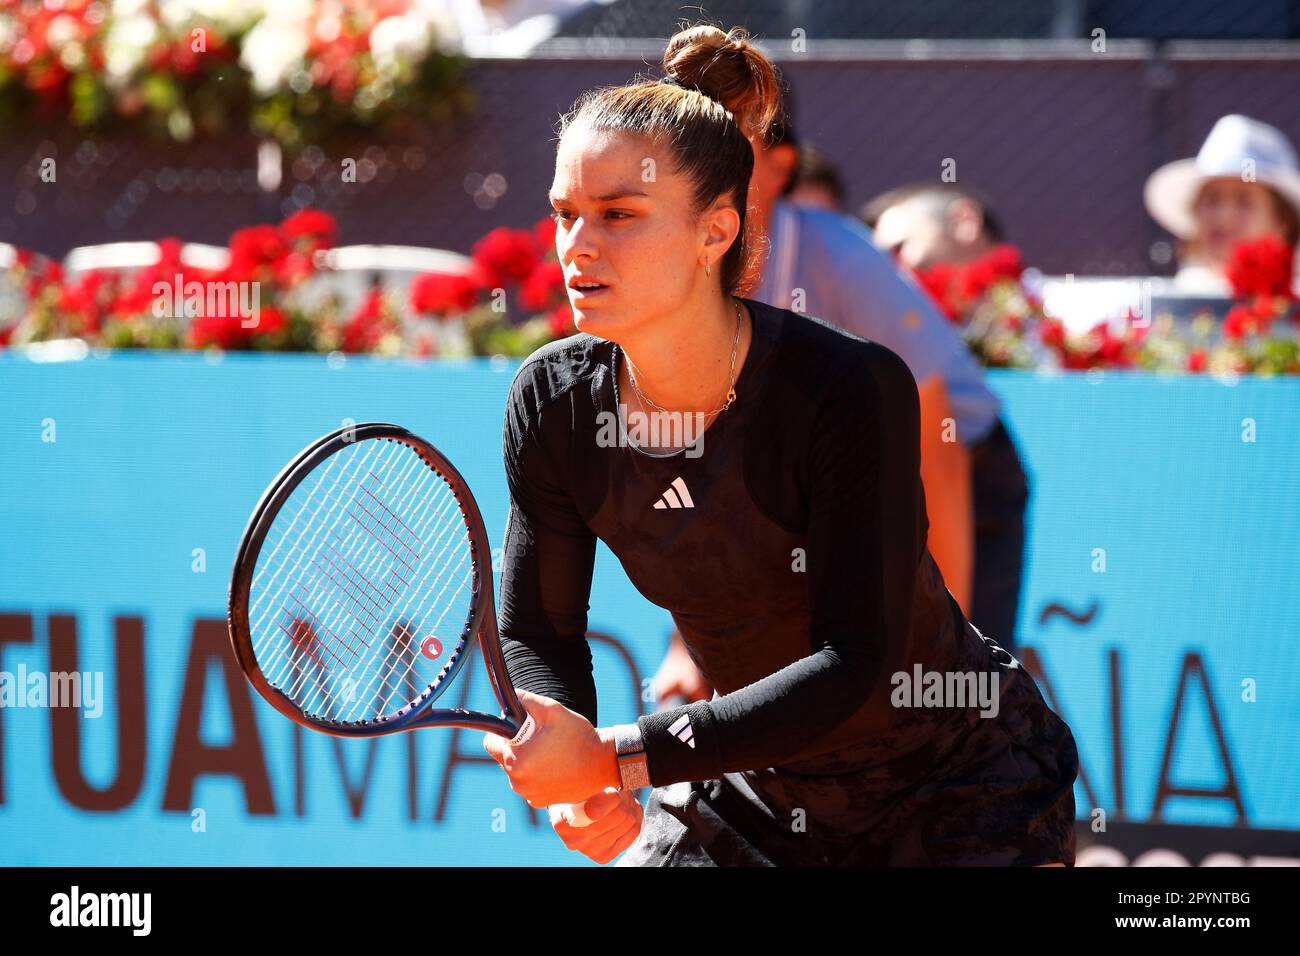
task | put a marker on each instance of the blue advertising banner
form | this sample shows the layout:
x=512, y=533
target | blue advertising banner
x=1160, y=610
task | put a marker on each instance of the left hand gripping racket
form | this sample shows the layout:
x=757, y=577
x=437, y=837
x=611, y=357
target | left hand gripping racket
x=361, y=580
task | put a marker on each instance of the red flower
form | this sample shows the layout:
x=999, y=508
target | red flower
x=169, y=254
x=1053, y=332
x=1111, y=351
x=1243, y=320
x=270, y=321
x=940, y=282
x=319, y=228
x=444, y=293
x=544, y=288
x=561, y=320
x=1196, y=361
x=544, y=231
x=1263, y=266
x=219, y=331
x=368, y=325
x=294, y=268
x=506, y=256
x=254, y=248
x=84, y=300
x=999, y=263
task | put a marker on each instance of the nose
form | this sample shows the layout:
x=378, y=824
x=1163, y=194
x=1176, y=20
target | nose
x=578, y=240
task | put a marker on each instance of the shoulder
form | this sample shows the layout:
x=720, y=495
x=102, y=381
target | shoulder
x=827, y=359
x=542, y=406
x=826, y=231
x=556, y=369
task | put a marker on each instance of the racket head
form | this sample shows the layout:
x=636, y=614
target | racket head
x=359, y=584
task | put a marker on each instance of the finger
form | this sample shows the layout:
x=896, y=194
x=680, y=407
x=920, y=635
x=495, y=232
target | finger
x=603, y=804
x=533, y=701
x=665, y=687
x=592, y=833
x=526, y=730
x=571, y=813
x=616, y=844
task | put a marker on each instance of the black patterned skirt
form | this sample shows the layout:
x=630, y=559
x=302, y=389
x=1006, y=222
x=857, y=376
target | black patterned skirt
x=1002, y=794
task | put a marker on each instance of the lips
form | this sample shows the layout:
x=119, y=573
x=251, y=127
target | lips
x=585, y=287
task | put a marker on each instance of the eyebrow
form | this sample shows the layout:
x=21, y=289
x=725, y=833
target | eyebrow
x=619, y=193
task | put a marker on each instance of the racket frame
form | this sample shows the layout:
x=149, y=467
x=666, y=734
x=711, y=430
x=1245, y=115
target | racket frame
x=482, y=621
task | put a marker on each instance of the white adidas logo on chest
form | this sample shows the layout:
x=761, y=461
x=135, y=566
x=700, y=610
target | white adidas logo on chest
x=675, y=496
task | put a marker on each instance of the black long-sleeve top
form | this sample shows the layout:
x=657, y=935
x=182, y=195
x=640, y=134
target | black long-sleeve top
x=788, y=545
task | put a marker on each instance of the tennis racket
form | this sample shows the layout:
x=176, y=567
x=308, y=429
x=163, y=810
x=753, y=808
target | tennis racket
x=361, y=582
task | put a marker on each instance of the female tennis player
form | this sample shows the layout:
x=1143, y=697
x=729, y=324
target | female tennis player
x=786, y=534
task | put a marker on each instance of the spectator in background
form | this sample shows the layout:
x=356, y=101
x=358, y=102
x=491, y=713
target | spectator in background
x=824, y=264
x=817, y=182
x=1243, y=184
x=926, y=224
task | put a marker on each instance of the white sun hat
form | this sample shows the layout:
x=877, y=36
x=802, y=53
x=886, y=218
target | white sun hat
x=1236, y=146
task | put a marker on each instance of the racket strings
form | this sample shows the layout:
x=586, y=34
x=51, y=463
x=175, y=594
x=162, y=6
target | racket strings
x=365, y=617
x=340, y=608
x=346, y=604
x=294, y=540
x=364, y=583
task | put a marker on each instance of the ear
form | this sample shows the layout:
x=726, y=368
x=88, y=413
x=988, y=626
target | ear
x=721, y=226
x=786, y=158
x=965, y=220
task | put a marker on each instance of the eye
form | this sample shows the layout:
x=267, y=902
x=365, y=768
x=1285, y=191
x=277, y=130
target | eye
x=558, y=215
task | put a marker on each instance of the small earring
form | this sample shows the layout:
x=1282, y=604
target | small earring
x=708, y=271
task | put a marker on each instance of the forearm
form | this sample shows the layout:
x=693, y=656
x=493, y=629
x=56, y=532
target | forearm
x=760, y=725
x=560, y=669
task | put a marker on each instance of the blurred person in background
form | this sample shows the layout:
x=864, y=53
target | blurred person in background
x=926, y=224
x=1244, y=184
x=817, y=181
x=824, y=264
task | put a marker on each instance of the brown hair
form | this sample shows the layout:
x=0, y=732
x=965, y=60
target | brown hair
x=719, y=88
x=1288, y=216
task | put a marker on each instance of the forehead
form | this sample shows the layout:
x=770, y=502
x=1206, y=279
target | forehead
x=590, y=163
x=1231, y=186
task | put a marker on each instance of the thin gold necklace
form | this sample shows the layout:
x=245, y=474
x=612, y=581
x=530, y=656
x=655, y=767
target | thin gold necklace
x=731, y=392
